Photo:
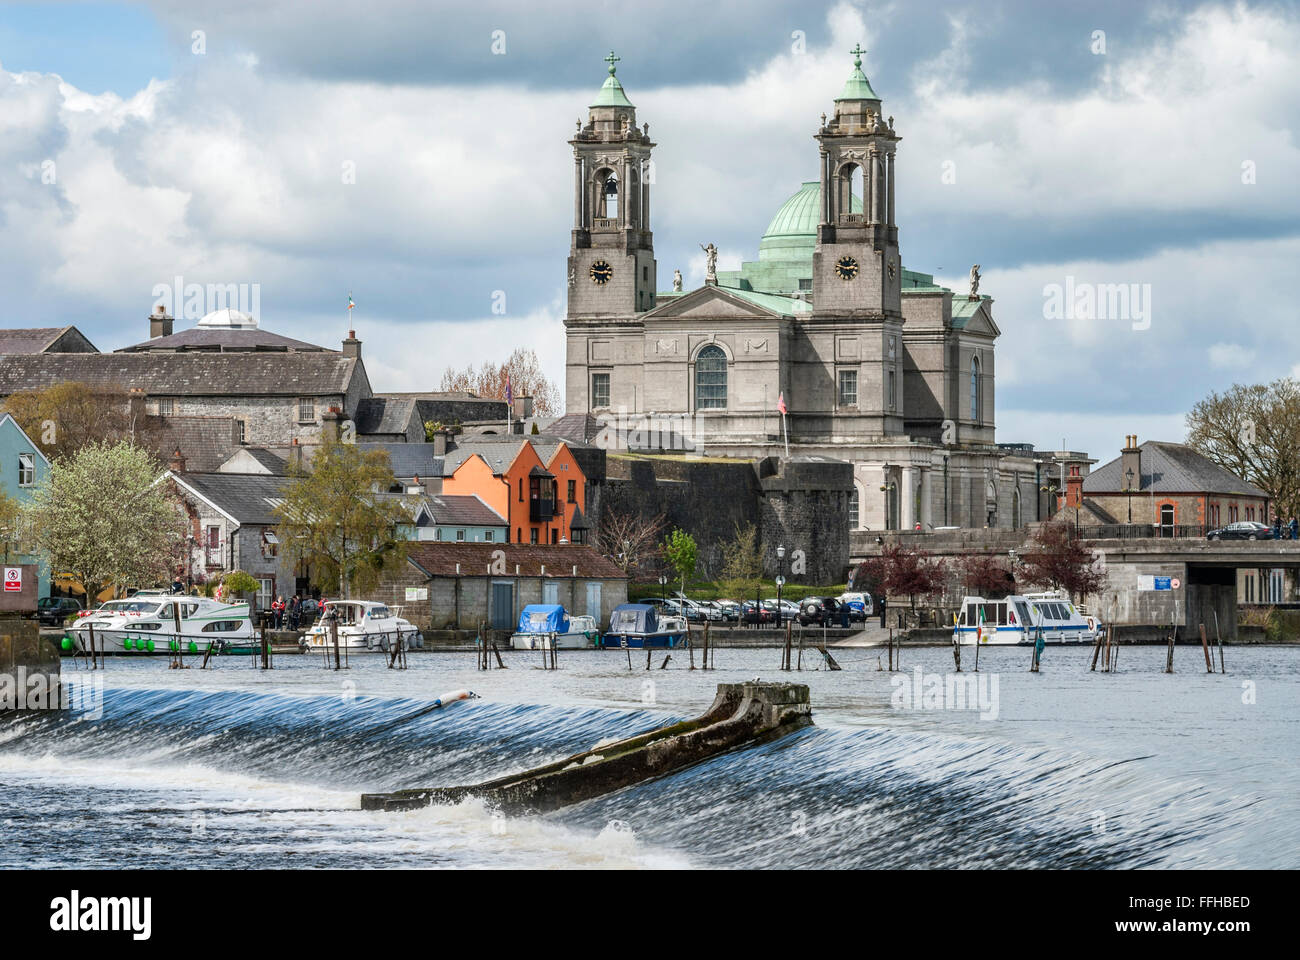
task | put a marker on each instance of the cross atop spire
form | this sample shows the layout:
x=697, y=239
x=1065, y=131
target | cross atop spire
x=857, y=52
x=611, y=60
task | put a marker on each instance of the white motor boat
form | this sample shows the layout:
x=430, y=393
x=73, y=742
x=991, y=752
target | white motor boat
x=146, y=623
x=1022, y=620
x=363, y=625
x=547, y=627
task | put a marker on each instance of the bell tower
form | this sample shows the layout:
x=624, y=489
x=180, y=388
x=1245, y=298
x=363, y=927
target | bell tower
x=856, y=268
x=611, y=256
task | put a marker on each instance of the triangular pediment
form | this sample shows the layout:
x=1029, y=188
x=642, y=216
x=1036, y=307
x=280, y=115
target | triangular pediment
x=710, y=302
x=980, y=321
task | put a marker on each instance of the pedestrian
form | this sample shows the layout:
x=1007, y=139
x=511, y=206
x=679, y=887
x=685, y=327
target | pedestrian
x=1277, y=526
x=294, y=609
x=277, y=611
x=882, y=611
x=1295, y=529
x=844, y=616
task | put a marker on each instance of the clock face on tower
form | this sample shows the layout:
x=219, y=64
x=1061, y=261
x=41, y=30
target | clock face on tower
x=846, y=268
x=601, y=272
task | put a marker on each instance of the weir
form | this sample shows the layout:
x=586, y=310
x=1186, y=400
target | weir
x=742, y=715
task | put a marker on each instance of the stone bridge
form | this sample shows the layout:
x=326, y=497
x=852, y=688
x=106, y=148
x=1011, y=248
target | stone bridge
x=1201, y=574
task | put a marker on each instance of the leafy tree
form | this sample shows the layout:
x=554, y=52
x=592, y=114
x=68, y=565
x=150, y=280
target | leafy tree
x=238, y=583
x=334, y=519
x=1254, y=431
x=101, y=516
x=681, y=553
x=742, y=568
x=65, y=417
x=1054, y=558
x=900, y=571
x=985, y=576
x=630, y=540
x=526, y=380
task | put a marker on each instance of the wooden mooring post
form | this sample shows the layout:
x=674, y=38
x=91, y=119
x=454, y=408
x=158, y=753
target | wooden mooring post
x=1205, y=649
x=1218, y=636
x=1096, y=647
x=785, y=649
x=1169, y=656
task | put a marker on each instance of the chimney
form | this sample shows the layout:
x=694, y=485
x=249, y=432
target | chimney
x=440, y=442
x=160, y=324
x=135, y=405
x=1131, y=464
x=329, y=425
x=352, y=346
x=523, y=408
x=416, y=489
x=295, y=456
x=1074, y=487
x=177, y=462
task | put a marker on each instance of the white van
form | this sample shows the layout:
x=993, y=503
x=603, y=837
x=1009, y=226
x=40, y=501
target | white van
x=859, y=604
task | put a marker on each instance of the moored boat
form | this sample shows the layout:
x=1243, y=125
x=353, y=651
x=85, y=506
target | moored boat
x=640, y=625
x=547, y=626
x=1022, y=619
x=147, y=623
x=363, y=625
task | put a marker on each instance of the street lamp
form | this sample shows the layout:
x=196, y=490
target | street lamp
x=663, y=588
x=780, y=581
x=1128, y=488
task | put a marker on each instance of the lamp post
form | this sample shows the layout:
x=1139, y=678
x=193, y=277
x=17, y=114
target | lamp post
x=663, y=588
x=1128, y=488
x=888, y=489
x=780, y=582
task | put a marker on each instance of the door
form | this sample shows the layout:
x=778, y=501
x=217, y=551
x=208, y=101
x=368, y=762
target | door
x=593, y=602
x=503, y=605
x=551, y=593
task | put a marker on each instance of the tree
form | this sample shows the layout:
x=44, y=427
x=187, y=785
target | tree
x=101, y=516
x=985, y=576
x=1054, y=558
x=902, y=571
x=333, y=520
x=630, y=539
x=681, y=553
x=65, y=417
x=1254, y=432
x=526, y=380
x=10, y=519
x=742, y=570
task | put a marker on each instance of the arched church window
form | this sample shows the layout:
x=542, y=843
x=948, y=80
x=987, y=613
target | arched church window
x=711, y=379
x=975, y=389
x=609, y=198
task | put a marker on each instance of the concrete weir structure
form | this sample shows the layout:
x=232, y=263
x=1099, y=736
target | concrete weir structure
x=29, y=667
x=742, y=714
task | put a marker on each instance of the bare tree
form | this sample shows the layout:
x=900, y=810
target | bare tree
x=526, y=380
x=631, y=540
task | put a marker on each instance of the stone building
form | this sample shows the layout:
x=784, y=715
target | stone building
x=873, y=363
x=463, y=585
x=1169, y=486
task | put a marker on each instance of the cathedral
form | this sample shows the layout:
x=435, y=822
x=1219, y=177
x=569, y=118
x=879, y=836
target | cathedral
x=826, y=346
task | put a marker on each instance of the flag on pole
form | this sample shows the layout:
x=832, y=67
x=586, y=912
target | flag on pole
x=350, y=304
x=510, y=394
x=780, y=403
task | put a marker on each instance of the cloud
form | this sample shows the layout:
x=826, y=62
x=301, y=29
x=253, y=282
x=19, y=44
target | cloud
x=1230, y=356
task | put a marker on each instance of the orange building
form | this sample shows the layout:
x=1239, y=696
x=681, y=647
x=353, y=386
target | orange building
x=536, y=485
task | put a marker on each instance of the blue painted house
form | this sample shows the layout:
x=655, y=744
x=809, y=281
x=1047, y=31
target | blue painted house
x=22, y=467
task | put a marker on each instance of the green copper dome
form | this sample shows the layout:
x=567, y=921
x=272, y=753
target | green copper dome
x=792, y=233
x=611, y=92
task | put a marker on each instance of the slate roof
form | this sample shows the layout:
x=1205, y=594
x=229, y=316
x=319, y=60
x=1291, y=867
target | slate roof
x=498, y=453
x=187, y=374
x=460, y=510
x=1171, y=468
x=205, y=442
x=216, y=340
x=248, y=497
x=31, y=340
x=384, y=415
x=576, y=428
x=408, y=459
x=439, y=559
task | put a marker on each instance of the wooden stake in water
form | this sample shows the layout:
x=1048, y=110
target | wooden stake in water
x=1096, y=647
x=1218, y=636
x=1169, y=657
x=1205, y=649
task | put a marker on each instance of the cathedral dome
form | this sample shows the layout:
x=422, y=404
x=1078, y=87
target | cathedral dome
x=792, y=233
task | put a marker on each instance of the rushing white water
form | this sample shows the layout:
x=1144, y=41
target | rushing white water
x=233, y=767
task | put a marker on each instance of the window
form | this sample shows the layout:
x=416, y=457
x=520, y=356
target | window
x=573, y=491
x=805, y=283
x=975, y=389
x=243, y=429
x=221, y=626
x=306, y=409
x=161, y=406
x=711, y=379
x=460, y=536
x=214, y=538
x=26, y=469
x=854, y=509
x=848, y=388
x=890, y=389
x=521, y=489
x=532, y=535
x=437, y=534
x=600, y=390
x=555, y=535
x=487, y=536
x=1167, y=520
x=265, y=592
x=519, y=534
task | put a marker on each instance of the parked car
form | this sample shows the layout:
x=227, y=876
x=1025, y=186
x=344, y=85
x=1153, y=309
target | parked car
x=729, y=609
x=758, y=614
x=55, y=611
x=822, y=611
x=1242, y=530
x=789, y=610
x=859, y=605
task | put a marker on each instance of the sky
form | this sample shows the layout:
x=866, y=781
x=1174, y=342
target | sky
x=414, y=156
